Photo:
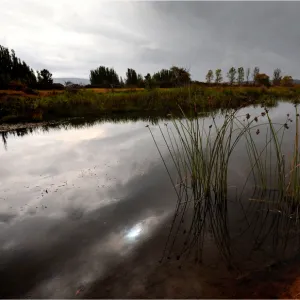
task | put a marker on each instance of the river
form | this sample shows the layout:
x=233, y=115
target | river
x=86, y=209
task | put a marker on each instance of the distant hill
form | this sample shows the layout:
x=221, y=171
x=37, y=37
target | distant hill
x=83, y=81
x=297, y=81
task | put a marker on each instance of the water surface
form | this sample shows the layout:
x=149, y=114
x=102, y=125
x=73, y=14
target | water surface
x=81, y=204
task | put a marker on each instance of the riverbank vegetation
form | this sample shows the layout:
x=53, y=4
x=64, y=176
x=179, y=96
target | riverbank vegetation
x=88, y=103
x=27, y=97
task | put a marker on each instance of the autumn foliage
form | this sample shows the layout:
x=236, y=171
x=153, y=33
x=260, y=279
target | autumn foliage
x=287, y=81
x=262, y=79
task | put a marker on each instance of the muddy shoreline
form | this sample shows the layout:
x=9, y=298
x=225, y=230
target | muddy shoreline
x=6, y=127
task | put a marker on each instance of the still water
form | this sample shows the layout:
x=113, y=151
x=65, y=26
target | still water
x=85, y=211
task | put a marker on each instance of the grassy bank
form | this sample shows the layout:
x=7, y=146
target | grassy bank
x=90, y=103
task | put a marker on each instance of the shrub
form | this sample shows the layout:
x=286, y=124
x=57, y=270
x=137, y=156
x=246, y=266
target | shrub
x=48, y=86
x=30, y=91
x=287, y=81
x=262, y=79
x=16, y=86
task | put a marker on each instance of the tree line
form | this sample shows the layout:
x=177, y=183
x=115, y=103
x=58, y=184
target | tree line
x=107, y=77
x=176, y=76
x=240, y=76
x=13, y=71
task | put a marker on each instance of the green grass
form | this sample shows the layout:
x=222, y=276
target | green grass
x=86, y=103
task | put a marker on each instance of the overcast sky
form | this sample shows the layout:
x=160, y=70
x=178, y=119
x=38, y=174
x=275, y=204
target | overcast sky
x=71, y=37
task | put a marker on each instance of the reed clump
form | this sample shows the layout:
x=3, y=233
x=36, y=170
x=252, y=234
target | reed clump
x=202, y=151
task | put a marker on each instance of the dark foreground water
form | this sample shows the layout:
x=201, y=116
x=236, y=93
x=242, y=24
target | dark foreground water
x=85, y=211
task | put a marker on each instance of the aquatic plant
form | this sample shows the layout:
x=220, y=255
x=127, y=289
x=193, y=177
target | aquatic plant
x=202, y=151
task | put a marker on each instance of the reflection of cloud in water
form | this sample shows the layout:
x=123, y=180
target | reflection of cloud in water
x=125, y=240
x=9, y=245
x=96, y=259
x=6, y=218
x=98, y=171
x=108, y=195
x=134, y=232
x=117, y=192
x=80, y=135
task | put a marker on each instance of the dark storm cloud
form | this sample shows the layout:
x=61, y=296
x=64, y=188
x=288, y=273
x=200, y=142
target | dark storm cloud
x=72, y=39
x=234, y=33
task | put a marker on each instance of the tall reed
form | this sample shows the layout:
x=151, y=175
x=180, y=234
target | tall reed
x=202, y=152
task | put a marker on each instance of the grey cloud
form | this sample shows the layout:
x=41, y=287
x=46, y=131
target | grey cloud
x=243, y=30
x=152, y=35
x=108, y=31
x=155, y=56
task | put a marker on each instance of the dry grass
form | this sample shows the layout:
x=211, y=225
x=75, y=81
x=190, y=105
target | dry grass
x=12, y=93
x=46, y=93
x=216, y=89
x=98, y=90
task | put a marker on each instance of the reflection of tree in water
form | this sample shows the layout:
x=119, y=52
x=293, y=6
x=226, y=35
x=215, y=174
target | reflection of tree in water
x=4, y=139
x=77, y=123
